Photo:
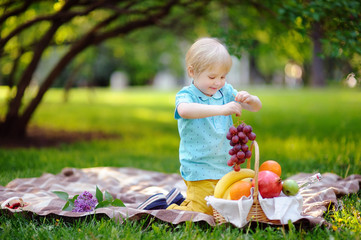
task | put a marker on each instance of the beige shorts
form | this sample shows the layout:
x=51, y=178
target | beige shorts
x=196, y=192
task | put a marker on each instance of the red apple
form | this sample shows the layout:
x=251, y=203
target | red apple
x=269, y=184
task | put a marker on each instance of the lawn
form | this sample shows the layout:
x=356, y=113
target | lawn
x=308, y=130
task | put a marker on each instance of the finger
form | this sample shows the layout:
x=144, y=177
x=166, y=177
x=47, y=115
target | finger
x=247, y=99
x=240, y=95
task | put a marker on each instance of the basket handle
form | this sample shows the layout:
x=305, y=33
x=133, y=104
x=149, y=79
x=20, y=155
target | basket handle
x=256, y=167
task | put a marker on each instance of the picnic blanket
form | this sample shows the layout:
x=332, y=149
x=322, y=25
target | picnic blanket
x=133, y=186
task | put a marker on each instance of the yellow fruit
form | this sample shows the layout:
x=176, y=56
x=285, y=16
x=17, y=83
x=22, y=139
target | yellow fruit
x=228, y=179
x=226, y=194
x=250, y=180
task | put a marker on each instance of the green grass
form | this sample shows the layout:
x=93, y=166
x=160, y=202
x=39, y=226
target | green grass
x=308, y=130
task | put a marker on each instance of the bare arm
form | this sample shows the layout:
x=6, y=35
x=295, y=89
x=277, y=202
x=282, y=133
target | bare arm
x=197, y=110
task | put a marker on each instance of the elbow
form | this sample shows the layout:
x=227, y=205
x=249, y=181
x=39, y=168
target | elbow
x=182, y=111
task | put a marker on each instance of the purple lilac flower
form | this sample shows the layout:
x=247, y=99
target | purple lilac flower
x=84, y=203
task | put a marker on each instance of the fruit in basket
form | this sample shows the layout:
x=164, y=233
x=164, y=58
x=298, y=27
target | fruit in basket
x=239, y=137
x=228, y=179
x=269, y=184
x=240, y=189
x=250, y=180
x=226, y=194
x=271, y=165
x=290, y=187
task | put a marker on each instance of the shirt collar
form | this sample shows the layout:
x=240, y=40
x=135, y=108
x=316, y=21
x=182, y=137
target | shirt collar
x=203, y=97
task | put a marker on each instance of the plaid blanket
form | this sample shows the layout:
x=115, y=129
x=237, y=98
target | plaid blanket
x=133, y=186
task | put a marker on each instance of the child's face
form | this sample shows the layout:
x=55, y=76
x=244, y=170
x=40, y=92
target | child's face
x=210, y=80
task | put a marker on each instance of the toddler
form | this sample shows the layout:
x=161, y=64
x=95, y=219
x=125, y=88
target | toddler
x=204, y=112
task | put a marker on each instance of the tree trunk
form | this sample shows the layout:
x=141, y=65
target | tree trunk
x=15, y=123
x=14, y=126
x=15, y=129
x=318, y=78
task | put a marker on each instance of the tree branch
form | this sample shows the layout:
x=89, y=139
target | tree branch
x=61, y=15
x=17, y=11
x=146, y=21
x=91, y=39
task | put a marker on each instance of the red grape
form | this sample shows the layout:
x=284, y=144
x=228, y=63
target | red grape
x=247, y=129
x=233, y=130
x=241, y=155
x=237, y=148
x=229, y=136
x=241, y=135
x=231, y=151
x=240, y=128
x=230, y=162
x=236, y=168
x=251, y=136
x=245, y=140
x=248, y=154
x=234, y=158
x=240, y=161
x=238, y=138
x=244, y=147
x=235, y=139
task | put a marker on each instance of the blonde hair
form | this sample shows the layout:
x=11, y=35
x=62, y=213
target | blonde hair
x=206, y=53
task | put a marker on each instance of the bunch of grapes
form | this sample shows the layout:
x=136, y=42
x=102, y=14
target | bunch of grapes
x=239, y=137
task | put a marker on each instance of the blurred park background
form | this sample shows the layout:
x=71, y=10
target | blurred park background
x=113, y=67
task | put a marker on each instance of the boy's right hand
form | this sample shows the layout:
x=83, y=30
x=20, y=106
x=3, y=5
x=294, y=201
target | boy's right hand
x=232, y=108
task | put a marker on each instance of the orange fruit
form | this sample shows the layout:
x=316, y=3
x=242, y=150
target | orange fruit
x=271, y=165
x=240, y=189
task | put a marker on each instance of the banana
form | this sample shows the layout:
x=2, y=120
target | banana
x=227, y=180
x=226, y=194
x=247, y=180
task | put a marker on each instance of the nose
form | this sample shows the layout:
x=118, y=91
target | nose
x=218, y=81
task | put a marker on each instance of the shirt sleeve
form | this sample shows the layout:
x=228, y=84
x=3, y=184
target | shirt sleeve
x=181, y=97
x=229, y=92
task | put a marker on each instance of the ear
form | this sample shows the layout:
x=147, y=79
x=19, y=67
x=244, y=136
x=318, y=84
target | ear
x=190, y=71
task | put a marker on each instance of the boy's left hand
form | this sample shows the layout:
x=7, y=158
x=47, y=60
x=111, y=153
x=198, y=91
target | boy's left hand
x=244, y=97
x=248, y=101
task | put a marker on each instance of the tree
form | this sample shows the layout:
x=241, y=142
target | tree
x=29, y=28
x=332, y=29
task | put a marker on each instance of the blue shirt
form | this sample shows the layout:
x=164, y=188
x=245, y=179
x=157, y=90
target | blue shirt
x=203, y=149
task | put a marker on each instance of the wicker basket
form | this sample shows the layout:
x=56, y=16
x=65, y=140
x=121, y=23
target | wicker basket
x=256, y=214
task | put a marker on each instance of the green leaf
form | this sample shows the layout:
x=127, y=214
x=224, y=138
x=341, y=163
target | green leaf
x=73, y=200
x=103, y=204
x=99, y=195
x=108, y=196
x=62, y=195
x=118, y=203
x=68, y=206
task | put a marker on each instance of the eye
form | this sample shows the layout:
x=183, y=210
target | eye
x=211, y=77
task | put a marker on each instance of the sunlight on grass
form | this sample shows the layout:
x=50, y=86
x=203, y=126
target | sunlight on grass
x=148, y=114
x=312, y=130
x=348, y=215
x=313, y=155
x=305, y=130
x=145, y=96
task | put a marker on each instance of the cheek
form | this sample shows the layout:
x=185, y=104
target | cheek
x=202, y=82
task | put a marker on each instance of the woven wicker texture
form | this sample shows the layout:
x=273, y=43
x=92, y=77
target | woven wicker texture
x=256, y=214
